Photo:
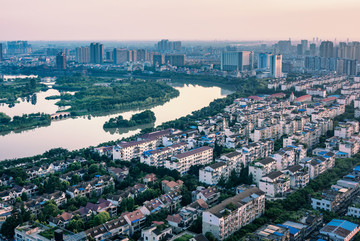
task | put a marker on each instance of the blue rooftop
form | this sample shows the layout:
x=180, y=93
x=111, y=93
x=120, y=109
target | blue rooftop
x=343, y=224
x=292, y=230
x=193, y=127
x=301, y=110
x=350, y=176
x=357, y=168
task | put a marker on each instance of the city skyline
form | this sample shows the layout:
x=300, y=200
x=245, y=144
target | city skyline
x=182, y=20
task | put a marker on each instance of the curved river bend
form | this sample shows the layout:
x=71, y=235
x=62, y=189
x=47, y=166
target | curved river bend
x=80, y=132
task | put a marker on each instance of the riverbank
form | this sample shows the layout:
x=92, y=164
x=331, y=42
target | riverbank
x=84, y=131
x=24, y=122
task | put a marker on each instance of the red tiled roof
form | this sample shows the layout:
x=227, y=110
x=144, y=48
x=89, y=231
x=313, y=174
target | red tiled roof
x=277, y=95
x=174, y=218
x=255, y=97
x=303, y=98
x=329, y=99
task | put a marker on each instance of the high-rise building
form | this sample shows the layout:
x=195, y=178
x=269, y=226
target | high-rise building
x=166, y=45
x=1, y=52
x=305, y=44
x=276, y=66
x=284, y=46
x=327, y=49
x=96, y=53
x=18, y=47
x=82, y=55
x=300, y=49
x=120, y=56
x=264, y=61
x=313, y=49
x=109, y=56
x=141, y=55
x=237, y=60
x=175, y=59
x=132, y=55
x=158, y=59
x=61, y=61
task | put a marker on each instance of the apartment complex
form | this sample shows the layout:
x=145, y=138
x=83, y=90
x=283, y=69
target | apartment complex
x=233, y=213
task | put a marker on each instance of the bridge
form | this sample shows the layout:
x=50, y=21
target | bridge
x=60, y=115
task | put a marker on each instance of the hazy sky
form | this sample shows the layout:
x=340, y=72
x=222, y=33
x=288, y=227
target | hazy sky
x=178, y=19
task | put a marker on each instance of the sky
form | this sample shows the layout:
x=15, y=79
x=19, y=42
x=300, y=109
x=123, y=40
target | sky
x=210, y=20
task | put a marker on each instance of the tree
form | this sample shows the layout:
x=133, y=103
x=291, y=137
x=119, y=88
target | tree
x=24, y=196
x=210, y=236
x=4, y=119
x=50, y=209
x=76, y=225
x=101, y=218
x=8, y=227
x=75, y=179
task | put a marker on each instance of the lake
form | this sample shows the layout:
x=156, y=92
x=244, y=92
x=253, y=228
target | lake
x=80, y=132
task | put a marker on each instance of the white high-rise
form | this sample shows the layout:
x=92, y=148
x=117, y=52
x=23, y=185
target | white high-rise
x=276, y=66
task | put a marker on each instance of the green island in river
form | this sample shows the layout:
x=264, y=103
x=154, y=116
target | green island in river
x=23, y=122
x=145, y=117
x=100, y=95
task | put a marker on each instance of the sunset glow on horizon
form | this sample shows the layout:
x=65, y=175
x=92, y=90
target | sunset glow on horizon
x=174, y=19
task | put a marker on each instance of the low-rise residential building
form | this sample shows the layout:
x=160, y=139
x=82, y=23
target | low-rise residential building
x=171, y=186
x=275, y=184
x=212, y=174
x=271, y=232
x=134, y=149
x=340, y=230
x=182, y=162
x=299, y=176
x=156, y=233
x=209, y=195
x=261, y=168
x=233, y=213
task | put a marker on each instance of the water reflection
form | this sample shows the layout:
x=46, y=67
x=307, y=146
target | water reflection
x=79, y=132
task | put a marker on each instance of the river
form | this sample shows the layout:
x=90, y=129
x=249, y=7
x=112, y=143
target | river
x=80, y=132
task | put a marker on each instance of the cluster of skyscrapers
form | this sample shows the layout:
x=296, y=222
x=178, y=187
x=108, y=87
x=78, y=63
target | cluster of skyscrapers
x=166, y=45
x=243, y=61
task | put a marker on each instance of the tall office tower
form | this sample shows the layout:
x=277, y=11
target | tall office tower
x=96, y=53
x=300, y=49
x=284, y=46
x=109, y=56
x=175, y=59
x=141, y=55
x=176, y=45
x=276, y=65
x=82, y=55
x=158, y=59
x=264, y=61
x=1, y=52
x=237, y=60
x=166, y=45
x=18, y=47
x=120, y=56
x=327, y=49
x=61, y=61
x=131, y=55
x=313, y=49
x=305, y=44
